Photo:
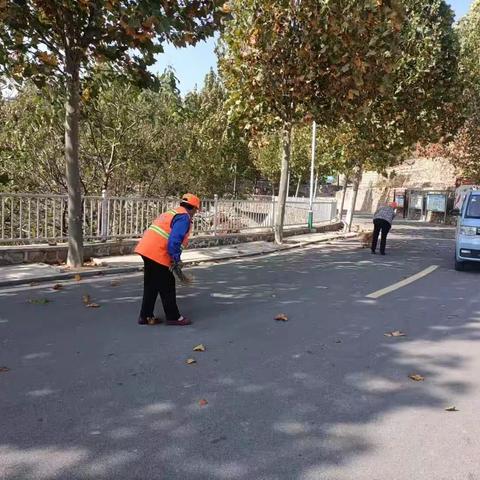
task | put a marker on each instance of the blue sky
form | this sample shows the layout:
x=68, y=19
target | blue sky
x=191, y=64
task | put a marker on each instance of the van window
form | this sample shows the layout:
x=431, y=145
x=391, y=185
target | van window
x=473, y=207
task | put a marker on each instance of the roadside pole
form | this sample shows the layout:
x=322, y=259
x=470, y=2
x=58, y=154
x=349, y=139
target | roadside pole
x=312, y=174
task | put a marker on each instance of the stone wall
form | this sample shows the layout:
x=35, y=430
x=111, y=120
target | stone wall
x=57, y=254
x=419, y=173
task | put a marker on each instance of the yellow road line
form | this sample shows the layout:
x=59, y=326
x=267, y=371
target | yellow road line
x=403, y=283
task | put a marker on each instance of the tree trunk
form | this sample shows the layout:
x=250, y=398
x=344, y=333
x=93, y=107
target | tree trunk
x=344, y=194
x=72, y=116
x=283, y=187
x=316, y=187
x=298, y=186
x=357, y=178
x=235, y=182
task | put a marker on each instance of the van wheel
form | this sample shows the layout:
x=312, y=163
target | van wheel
x=459, y=266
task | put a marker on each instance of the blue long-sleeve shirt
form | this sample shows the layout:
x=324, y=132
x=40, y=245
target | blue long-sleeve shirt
x=180, y=227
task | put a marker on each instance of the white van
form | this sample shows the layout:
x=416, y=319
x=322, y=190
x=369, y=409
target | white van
x=467, y=239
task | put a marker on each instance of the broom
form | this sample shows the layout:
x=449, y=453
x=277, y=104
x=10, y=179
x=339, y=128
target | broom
x=177, y=270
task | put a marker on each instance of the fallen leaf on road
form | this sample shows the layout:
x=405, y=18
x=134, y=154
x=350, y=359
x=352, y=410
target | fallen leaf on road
x=191, y=361
x=87, y=301
x=152, y=321
x=416, y=377
x=199, y=348
x=77, y=277
x=4, y=369
x=114, y=283
x=217, y=440
x=338, y=341
x=395, y=333
x=39, y=301
x=57, y=286
x=281, y=317
x=203, y=402
x=453, y=408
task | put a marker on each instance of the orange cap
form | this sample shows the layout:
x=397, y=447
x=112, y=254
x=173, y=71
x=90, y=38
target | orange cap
x=192, y=200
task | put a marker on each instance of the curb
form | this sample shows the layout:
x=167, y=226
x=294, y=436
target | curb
x=70, y=276
x=98, y=272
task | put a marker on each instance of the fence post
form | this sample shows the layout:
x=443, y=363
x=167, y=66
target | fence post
x=215, y=214
x=104, y=218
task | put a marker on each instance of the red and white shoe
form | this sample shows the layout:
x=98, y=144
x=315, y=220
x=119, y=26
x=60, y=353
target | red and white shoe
x=182, y=322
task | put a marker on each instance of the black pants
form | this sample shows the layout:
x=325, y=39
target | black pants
x=158, y=280
x=383, y=226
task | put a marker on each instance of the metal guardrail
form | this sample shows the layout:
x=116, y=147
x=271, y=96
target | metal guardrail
x=36, y=218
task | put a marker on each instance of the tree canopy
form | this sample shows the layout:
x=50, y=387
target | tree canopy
x=462, y=146
x=335, y=61
x=133, y=141
x=62, y=41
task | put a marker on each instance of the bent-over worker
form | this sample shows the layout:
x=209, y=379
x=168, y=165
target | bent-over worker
x=160, y=248
x=382, y=222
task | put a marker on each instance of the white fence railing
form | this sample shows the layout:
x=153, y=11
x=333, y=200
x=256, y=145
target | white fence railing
x=30, y=218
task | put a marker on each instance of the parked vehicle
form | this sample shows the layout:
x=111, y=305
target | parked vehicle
x=467, y=238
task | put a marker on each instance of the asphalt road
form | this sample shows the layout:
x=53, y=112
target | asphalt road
x=324, y=396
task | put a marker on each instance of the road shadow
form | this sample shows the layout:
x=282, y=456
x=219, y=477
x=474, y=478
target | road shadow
x=92, y=395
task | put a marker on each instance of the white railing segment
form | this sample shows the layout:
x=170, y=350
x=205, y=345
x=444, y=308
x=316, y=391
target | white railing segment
x=35, y=218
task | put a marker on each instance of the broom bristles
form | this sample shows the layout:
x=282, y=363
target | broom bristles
x=188, y=279
x=184, y=278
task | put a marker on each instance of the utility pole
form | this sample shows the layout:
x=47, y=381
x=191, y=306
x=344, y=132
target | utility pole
x=312, y=174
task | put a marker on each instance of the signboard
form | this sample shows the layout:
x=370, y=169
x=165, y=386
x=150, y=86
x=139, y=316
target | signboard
x=416, y=201
x=436, y=202
x=400, y=200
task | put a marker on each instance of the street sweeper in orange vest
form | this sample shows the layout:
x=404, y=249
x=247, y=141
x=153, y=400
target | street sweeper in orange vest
x=161, y=248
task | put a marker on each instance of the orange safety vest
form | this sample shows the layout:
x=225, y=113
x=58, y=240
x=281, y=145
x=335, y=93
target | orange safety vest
x=154, y=242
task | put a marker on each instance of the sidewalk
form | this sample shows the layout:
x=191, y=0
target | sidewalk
x=40, y=272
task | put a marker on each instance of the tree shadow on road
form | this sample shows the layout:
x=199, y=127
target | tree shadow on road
x=296, y=400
